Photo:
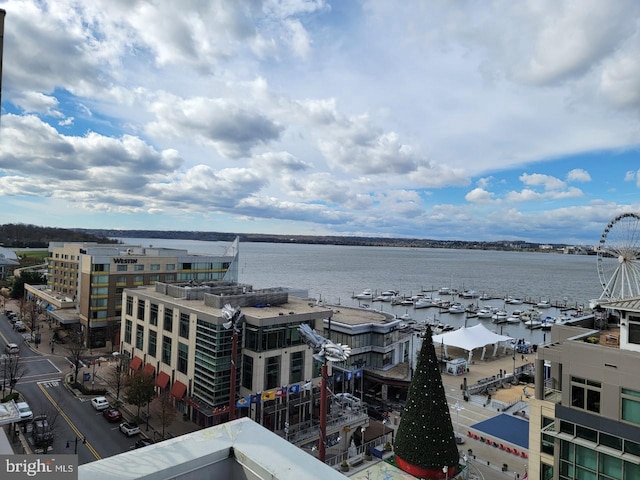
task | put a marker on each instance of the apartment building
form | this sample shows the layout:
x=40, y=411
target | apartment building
x=85, y=281
x=177, y=333
x=585, y=417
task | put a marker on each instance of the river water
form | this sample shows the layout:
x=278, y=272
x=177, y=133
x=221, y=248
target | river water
x=335, y=273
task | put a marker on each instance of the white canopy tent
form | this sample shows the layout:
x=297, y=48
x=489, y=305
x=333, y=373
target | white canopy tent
x=470, y=338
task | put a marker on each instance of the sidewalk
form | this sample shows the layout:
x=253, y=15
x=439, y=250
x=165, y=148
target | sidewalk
x=98, y=363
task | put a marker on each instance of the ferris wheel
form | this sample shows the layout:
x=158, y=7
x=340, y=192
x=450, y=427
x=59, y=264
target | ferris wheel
x=619, y=257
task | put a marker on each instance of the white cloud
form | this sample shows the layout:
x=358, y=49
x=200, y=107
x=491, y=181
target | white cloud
x=546, y=181
x=479, y=195
x=578, y=175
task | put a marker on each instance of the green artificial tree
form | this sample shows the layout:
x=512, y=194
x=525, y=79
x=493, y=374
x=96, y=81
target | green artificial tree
x=425, y=442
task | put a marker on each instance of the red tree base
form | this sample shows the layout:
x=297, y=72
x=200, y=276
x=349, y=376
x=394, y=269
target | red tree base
x=421, y=472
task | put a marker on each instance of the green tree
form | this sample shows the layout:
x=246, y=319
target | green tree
x=32, y=278
x=425, y=442
x=140, y=389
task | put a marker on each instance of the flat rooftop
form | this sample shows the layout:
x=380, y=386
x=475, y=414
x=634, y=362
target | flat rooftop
x=237, y=450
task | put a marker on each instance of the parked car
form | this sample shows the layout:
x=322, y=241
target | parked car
x=12, y=349
x=143, y=442
x=129, y=428
x=25, y=411
x=100, y=403
x=20, y=327
x=112, y=414
x=41, y=431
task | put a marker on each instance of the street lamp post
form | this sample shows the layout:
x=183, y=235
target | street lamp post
x=234, y=318
x=75, y=448
x=457, y=407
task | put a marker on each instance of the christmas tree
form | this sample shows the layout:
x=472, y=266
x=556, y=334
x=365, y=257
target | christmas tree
x=425, y=442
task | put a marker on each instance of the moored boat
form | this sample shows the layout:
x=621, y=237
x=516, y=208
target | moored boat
x=366, y=294
x=456, y=307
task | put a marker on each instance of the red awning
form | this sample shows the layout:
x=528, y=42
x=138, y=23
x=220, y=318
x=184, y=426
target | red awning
x=149, y=369
x=162, y=380
x=178, y=390
x=136, y=363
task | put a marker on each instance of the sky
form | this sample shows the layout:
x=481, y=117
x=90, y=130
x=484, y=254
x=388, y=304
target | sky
x=482, y=121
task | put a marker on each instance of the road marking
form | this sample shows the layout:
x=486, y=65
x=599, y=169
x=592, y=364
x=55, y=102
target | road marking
x=71, y=424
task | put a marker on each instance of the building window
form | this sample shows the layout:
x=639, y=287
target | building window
x=546, y=472
x=138, y=268
x=547, y=440
x=630, y=405
x=183, y=357
x=297, y=367
x=152, y=345
x=121, y=280
x=139, y=337
x=153, y=314
x=168, y=319
x=138, y=279
x=127, y=331
x=171, y=266
x=155, y=266
x=100, y=267
x=183, y=329
x=129, y=306
x=166, y=350
x=140, y=309
x=170, y=277
x=121, y=268
x=272, y=373
x=247, y=372
x=585, y=394
x=154, y=278
x=634, y=333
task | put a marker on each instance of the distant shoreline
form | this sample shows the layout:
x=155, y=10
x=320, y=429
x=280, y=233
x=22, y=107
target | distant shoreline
x=338, y=240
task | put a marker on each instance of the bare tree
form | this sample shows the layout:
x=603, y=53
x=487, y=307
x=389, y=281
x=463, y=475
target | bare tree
x=163, y=408
x=140, y=389
x=44, y=423
x=12, y=370
x=76, y=349
x=116, y=378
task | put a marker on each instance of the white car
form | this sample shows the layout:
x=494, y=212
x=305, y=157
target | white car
x=25, y=411
x=12, y=349
x=129, y=428
x=100, y=403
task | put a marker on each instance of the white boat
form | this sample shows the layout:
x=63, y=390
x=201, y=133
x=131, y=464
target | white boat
x=424, y=302
x=533, y=324
x=484, y=313
x=406, y=317
x=388, y=296
x=485, y=296
x=513, y=319
x=514, y=301
x=500, y=317
x=530, y=315
x=366, y=294
x=469, y=294
x=543, y=304
x=456, y=307
x=444, y=291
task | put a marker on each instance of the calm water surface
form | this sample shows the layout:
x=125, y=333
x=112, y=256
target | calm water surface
x=336, y=273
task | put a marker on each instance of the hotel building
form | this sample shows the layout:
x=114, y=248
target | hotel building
x=585, y=417
x=85, y=281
